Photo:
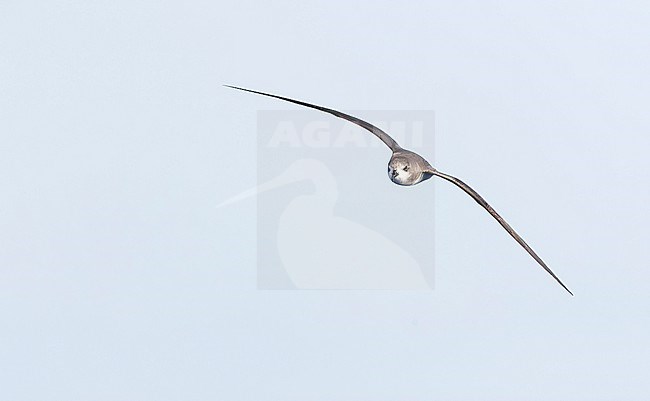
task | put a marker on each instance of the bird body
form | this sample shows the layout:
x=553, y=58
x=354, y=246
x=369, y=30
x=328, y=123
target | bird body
x=321, y=250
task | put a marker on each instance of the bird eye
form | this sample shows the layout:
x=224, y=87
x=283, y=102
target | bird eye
x=406, y=168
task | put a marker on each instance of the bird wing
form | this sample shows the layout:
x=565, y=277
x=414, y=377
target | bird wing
x=390, y=142
x=479, y=199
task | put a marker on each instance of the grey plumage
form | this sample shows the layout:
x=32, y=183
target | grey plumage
x=409, y=168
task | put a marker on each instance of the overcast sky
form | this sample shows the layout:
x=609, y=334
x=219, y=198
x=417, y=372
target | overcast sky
x=122, y=280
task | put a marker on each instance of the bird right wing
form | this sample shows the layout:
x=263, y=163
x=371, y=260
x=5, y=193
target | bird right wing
x=479, y=199
x=385, y=138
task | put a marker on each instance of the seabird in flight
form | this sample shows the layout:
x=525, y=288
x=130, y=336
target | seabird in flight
x=408, y=168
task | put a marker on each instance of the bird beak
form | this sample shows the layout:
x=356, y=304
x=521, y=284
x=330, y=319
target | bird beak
x=281, y=180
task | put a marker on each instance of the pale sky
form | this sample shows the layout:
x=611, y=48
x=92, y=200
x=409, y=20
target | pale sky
x=122, y=280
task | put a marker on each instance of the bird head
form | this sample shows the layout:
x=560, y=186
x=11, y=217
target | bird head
x=402, y=172
x=408, y=168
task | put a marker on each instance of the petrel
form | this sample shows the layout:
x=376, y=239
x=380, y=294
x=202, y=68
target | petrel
x=409, y=168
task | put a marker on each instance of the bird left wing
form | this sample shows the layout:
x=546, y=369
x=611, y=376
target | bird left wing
x=385, y=138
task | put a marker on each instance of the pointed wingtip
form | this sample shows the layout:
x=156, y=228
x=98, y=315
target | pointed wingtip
x=558, y=280
x=565, y=287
